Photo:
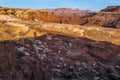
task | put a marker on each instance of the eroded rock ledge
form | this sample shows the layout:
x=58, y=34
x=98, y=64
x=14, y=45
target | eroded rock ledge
x=14, y=29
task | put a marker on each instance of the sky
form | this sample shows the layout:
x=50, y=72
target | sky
x=94, y=5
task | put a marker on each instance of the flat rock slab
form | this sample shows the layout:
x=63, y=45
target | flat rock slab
x=15, y=29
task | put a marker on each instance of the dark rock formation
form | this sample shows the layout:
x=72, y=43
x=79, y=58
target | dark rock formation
x=8, y=61
x=14, y=66
x=68, y=58
x=111, y=9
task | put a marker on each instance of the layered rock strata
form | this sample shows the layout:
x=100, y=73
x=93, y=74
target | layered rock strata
x=14, y=29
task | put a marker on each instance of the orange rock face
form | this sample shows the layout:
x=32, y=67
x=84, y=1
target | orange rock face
x=34, y=15
x=104, y=19
x=67, y=16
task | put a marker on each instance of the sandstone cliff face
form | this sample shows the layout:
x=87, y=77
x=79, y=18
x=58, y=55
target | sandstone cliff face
x=108, y=17
x=33, y=15
x=61, y=15
x=15, y=29
x=104, y=19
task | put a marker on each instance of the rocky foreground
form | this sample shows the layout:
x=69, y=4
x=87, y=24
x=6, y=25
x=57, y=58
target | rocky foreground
x=67, y=58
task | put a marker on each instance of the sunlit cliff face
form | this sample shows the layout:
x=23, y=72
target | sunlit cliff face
x=14, y=29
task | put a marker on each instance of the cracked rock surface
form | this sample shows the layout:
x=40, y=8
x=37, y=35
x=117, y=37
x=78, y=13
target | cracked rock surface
x=67, y=58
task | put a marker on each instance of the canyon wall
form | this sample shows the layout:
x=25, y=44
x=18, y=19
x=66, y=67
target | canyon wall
x=33, y=15
x=103, y=19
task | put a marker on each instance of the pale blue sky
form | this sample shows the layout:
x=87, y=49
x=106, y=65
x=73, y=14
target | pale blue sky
x=94, y=5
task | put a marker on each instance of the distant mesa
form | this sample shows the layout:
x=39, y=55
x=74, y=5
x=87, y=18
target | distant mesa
x=111, y=9
x=63, y=12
